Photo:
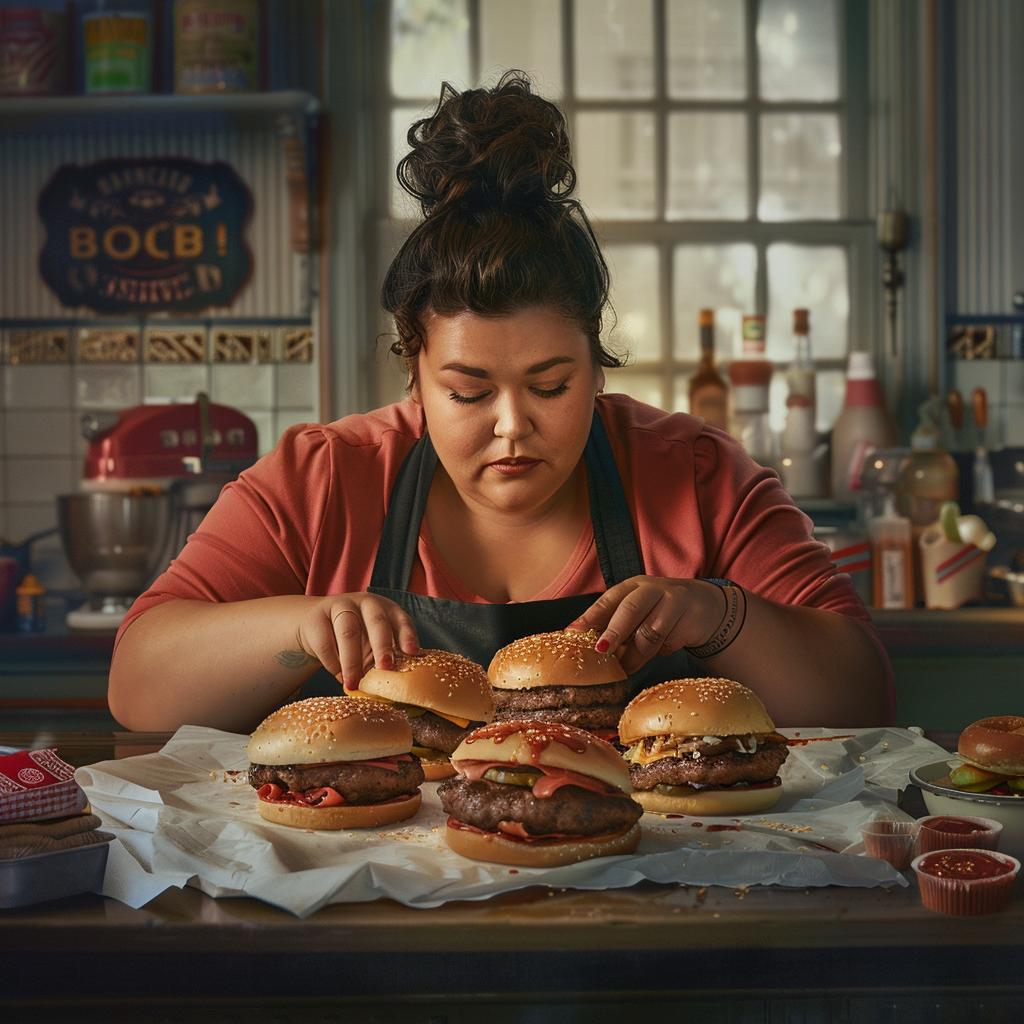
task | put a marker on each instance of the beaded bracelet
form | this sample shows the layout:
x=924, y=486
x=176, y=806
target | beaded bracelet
x=730, y=626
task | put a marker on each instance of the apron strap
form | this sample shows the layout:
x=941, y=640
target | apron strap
x=609, y=512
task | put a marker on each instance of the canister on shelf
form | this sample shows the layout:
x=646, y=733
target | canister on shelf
x=116, y=45
x=33, y=48
x=216, y=46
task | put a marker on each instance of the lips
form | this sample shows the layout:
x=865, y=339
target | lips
x=513, y=466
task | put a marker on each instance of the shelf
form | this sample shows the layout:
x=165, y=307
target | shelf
x=57, y=114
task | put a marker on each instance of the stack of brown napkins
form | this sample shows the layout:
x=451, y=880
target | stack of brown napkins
x=22, y=839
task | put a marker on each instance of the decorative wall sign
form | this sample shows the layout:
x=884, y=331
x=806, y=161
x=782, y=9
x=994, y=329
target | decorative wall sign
x=163, y=234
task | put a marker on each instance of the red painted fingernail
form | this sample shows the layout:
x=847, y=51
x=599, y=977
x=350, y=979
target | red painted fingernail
x=387, y=661
x=350, y=687
x=602, y=646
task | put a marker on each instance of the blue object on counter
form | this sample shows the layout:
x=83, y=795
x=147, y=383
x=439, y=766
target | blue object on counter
x=31, y=615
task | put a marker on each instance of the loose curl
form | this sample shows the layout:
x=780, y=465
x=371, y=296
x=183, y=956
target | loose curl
x=492, y=172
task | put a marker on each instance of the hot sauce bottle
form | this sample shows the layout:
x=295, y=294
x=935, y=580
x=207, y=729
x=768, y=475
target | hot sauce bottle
x=708, y=389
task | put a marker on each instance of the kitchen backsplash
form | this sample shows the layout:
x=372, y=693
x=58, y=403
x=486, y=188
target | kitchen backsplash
x=52, y=375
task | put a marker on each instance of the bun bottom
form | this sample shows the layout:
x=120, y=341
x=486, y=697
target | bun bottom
x=341, y=816
x=710, y=802
x=433, y=770
x=492, y=847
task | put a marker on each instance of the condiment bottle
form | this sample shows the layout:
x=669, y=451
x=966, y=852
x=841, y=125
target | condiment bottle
x=750, y=379
x=708, y=389
x=802, y=460
x=31, y=614
x=892, y=566
x=927, y=477
x=864, y=423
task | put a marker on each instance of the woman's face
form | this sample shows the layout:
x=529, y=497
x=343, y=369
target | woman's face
x=508, y=402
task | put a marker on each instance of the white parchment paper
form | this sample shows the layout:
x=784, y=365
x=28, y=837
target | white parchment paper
x=186, y=816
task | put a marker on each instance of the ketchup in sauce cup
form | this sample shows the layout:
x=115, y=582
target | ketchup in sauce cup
x=965, y=882
x=893, y=841
x=948, y=831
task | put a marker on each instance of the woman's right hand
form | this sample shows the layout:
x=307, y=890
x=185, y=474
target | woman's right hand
x=350, y=633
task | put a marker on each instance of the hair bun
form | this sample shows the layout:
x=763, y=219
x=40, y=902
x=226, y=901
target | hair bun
x=505, y=149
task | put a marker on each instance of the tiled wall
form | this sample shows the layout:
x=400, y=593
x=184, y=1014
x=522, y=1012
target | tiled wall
x=50, y=376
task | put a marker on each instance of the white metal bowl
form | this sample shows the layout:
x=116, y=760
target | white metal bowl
x=1007, y=810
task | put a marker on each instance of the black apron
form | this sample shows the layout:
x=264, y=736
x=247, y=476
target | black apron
x=478, y=631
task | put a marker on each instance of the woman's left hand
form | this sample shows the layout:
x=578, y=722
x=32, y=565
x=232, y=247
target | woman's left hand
x=649, y=615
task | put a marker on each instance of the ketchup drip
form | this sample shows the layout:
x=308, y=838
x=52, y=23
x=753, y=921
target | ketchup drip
x=537, y=738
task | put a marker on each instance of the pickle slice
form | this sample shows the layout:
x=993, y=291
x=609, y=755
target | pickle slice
x=523, y=777
x=429, y=754
x=975, y=780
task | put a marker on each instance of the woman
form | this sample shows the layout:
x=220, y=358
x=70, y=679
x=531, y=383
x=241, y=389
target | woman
x=507, y=495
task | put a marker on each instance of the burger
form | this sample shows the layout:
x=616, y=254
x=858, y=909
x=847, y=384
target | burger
x=702, y=747
x=445, y=697
x=992, y=756
x=559, y=677
x=334, y=762
x=538, y=794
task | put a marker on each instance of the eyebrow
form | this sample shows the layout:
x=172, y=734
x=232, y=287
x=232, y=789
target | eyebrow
x=475, y=371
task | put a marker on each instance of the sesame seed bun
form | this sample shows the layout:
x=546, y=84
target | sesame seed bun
x=562, y=658
x=322, y=729
x=548, y=743
x=694, y=707
x=343, y=816
x=437, y=680
x=712, y=803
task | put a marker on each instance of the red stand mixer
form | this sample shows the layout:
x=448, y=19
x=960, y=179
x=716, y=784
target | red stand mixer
x=151, y=473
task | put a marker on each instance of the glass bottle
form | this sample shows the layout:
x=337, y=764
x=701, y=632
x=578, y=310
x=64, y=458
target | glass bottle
x=803, y=460
x=708, y=390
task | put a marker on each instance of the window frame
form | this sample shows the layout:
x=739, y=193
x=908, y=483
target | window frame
x=854, y=231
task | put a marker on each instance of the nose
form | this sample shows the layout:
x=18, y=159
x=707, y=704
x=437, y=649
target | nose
x=513, y=421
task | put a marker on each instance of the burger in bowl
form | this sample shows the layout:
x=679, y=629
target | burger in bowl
x=559, y=677
x=334, y=763
x=445, y=697
x=538, y=794
x=702, y=747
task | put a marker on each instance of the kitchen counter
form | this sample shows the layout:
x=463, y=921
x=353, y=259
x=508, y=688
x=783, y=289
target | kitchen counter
x=876, y=950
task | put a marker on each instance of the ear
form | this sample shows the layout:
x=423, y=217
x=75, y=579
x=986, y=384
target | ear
x=599, y=381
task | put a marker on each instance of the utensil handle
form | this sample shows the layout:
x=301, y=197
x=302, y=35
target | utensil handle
x=980, y=408
x=955, y=407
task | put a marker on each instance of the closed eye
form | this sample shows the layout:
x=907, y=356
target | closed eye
x=553, y=392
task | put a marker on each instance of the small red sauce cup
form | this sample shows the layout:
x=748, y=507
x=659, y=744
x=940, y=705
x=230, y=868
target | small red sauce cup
x=893, y=841
x=949, y=831
x=965, y=882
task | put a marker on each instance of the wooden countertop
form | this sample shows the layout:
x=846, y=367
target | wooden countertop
x=534, y=944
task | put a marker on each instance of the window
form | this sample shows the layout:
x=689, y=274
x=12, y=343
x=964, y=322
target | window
x=719, y=157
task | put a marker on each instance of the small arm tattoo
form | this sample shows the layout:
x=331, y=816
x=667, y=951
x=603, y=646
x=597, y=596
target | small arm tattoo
x=296, y=659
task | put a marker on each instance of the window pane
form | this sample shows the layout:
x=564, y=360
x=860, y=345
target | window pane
x=644, y=387
x=615, y=160
x=799, y=167
x=707, y=166
x=634, y=296
x=706, y=52
x=429, y=45
x=402, y=204
x=613, y=44
x=811, y=277
x=719, y=277
x=526, y=34
x=798, y=50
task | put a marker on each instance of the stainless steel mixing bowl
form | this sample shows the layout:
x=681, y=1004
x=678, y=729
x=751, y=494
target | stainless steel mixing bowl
x=114, y=542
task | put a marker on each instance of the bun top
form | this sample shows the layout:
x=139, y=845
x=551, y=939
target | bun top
x=321, y=729
x=504, y=148
x=545, y=743
x=553, y=659
x=694, y=707
x=995, y=743
x=436, y=680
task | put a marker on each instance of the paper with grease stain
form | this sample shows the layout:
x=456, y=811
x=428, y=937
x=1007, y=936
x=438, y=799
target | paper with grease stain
x=181, y=818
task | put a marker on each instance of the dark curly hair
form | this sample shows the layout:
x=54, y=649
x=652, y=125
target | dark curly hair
x=492, y=172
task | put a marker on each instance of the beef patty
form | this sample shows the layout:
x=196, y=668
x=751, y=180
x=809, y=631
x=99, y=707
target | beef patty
x=586, y=707
x=569, y=810
x=717, y=770
x=437, y=733
x=357, y=783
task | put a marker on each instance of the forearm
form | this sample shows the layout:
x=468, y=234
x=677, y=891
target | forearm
x=225, y=665
x=810, y=667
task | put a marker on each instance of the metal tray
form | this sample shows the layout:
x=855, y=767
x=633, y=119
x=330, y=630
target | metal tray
x=51, y=876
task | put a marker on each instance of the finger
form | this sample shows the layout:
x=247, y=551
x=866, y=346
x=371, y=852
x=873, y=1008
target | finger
x=381, y=631
x=599, y=614
x=350, y=639
x=628, y=617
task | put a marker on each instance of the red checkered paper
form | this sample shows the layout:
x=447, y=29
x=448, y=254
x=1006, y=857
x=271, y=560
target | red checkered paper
x=37, y=784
